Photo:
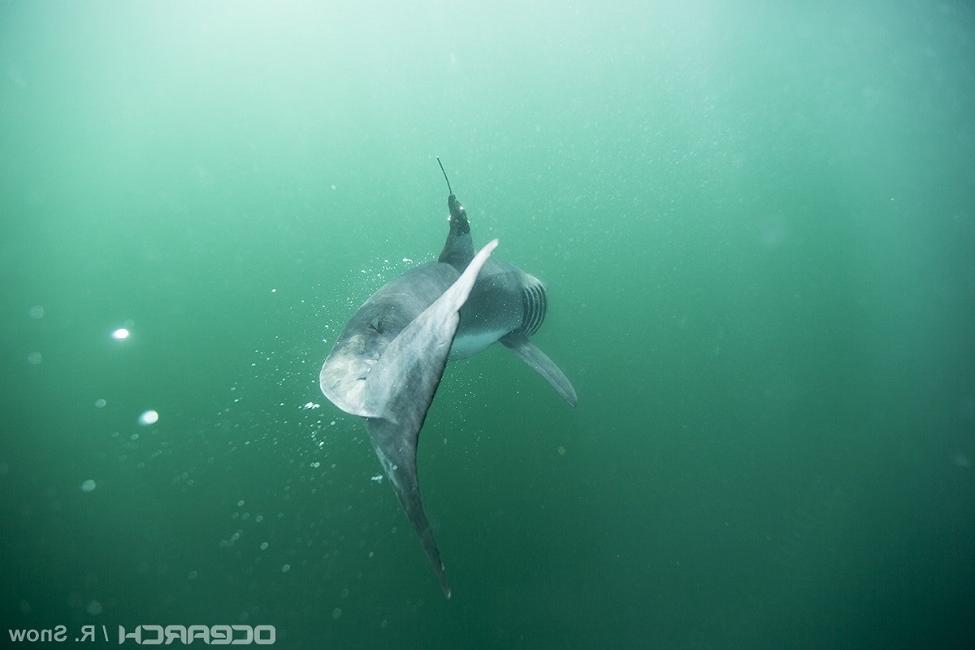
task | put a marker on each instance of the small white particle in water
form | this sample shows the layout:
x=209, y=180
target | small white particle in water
x=100, y=403
x=149, y=417
x=94, y=608
x=285, y=568
x=407, y=260
x=240, y=504
x=336, y=613
x=316, y=464
x=134, y=436
x=120, y=334
x=88, y=485
x=259, y=518
x=264, y=546
x=35, y=358
x=378, y=478
x=334, y=187
x=310, y=405
x=332, y=423
x=36, y=312
x=274, y=290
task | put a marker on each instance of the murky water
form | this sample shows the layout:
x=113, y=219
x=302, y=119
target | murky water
x=756, y=226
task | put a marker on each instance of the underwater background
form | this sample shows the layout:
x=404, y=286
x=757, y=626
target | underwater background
x=756, y=223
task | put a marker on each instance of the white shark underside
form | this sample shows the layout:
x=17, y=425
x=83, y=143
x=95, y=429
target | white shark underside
x=388, y=361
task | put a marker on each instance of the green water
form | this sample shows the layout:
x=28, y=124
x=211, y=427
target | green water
x=757, y=227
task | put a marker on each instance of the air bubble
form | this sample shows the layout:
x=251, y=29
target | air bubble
x=149, y=417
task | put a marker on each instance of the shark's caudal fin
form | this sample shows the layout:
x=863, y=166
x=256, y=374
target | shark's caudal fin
x=400, y=388
x=539, y=361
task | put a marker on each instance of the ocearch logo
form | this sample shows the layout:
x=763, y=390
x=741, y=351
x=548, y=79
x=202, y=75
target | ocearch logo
x=207, y=634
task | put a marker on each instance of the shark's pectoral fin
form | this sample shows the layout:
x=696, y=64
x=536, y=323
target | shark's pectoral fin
x=400, y=388
x=539, y=361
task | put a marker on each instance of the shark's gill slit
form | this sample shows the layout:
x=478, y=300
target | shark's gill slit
x=534, y=304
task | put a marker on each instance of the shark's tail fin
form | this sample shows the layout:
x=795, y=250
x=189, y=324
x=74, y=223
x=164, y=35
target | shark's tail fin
x=397, y=453
x=400, y=389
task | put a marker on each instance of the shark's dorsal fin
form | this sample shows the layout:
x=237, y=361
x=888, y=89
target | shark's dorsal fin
x=400, y=388
x=459, y=247
x=458, y=250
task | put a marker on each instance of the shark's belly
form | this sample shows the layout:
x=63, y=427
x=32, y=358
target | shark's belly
x=493, y=310
x=467, y=344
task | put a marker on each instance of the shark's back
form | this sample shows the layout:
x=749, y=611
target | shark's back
x=369, y=332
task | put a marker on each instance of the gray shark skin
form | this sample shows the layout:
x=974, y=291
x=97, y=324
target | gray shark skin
x=388, y=361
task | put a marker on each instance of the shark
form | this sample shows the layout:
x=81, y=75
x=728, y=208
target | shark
x=388, y=361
